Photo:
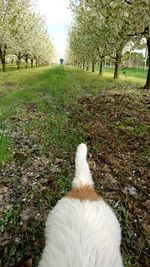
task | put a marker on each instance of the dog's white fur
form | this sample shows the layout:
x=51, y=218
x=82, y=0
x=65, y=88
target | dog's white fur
x=82, y=233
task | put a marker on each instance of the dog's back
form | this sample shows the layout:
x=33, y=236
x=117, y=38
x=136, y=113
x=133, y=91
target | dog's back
x=82, y=230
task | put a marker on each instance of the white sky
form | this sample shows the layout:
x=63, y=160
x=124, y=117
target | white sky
x=58, y=19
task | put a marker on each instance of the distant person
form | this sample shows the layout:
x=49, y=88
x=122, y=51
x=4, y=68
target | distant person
x=61, y=61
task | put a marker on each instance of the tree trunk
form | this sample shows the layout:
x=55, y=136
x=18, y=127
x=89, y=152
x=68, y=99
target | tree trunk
x=18, y=60
x=147, y=85
x=146, y=58
x=83, y=65
x=101, y=68
x=26, y=61
x=87, y=67
x=36, y=63
x=117, y=65
x=31, y=63
x=3, y=57
x=3, y=63
x=93, y=66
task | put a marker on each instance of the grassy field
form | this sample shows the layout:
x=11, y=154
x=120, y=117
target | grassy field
x=135, y=75
x=44, y=114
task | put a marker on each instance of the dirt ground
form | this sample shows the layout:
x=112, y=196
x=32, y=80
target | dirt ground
x=118, y=133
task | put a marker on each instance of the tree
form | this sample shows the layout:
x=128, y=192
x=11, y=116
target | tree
x=139, y=25
x=115, y=22
x=10, y=12
x=87, y=40
x=23, y=33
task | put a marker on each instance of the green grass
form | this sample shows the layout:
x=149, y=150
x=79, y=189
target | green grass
x=5, y=153
x=131, y=72
x=137, y=75
x=49, y=91
x=44, y=90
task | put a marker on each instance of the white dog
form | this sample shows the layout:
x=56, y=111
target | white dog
x=82, y=230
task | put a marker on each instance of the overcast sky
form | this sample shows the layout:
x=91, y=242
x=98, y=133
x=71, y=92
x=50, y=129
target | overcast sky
x=58, y=19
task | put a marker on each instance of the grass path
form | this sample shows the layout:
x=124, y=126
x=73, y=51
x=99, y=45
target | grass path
x=44, y=114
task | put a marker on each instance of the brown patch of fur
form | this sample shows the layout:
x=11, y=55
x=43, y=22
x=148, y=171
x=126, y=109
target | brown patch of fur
x=83, y=193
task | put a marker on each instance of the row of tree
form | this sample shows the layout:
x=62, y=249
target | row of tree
x=23, y=34
x=103, y=28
